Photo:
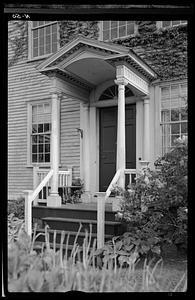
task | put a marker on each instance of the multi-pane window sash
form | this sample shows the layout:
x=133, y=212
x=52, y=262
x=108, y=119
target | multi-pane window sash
x=41, y=133
x=112, y=30
x=173, y=114
x=173, y=23
x=44, y=38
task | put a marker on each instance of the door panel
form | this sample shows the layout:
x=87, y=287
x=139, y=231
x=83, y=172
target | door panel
x=107, y=146
x=108, y=139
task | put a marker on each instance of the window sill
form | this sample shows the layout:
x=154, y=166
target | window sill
x=39, y=58
x=121, y=38
x=41, y=165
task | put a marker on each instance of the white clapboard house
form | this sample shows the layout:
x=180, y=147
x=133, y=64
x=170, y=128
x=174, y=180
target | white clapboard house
x=95, y=109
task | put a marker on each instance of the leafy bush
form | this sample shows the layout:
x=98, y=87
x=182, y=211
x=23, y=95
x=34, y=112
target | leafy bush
x=53, y=271
x=15, y=225
x=156, y=205
x=16, y=207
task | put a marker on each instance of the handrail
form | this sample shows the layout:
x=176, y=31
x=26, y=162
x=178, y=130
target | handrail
x=29, y=198
x=101, y=210
x=113, y=182
x=41, y=185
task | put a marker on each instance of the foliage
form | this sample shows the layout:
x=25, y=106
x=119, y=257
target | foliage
x=16, y=207
x=163, y=49
x=53, y=271
x=126, y=250
x=17, y=38
x=75, y=194
x=156, y=205
x=15, y=225
x=71, y=29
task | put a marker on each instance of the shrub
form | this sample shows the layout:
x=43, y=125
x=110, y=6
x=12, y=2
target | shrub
x=51, y=271
x=16, y=207
x=156, y=205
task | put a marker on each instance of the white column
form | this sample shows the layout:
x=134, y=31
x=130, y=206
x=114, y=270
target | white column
x=54, y=199
x=85, y=159
x=121, y=146
x=146, y=144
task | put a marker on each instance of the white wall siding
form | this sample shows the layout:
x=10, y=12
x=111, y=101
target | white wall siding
x=25, y=84
x=70, y=140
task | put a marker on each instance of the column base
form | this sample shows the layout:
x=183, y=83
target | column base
x=54, y=201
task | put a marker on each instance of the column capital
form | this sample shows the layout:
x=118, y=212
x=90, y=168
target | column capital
x=146, y=99
x=54, y=91
x=121, y=81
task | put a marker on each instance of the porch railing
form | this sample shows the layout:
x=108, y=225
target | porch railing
x=130, y=175
x=30, y=196
x=41, y=183
x=102, y=200
x=64, y=179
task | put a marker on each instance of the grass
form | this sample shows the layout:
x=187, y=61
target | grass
x=53, y=270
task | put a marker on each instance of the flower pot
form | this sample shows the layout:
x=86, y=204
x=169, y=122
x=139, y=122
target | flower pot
x=116, y=203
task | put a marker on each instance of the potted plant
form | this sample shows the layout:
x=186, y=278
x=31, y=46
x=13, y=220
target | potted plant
x=77, y=189
x=118, y=194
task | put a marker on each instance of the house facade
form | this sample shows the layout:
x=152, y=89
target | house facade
x=93, y=97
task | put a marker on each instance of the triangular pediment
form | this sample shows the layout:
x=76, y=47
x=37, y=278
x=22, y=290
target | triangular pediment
x=91, y=62
x=81, y=48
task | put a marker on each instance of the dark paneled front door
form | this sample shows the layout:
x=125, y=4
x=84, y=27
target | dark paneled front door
x=108, y=140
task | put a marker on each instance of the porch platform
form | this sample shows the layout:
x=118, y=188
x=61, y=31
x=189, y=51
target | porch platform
x=79, y=206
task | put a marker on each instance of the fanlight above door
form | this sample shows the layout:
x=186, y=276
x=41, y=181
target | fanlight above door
x=112, y=93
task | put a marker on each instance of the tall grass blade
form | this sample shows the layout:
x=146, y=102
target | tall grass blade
x=61, y=246
x=179, y=283
x=66, y=250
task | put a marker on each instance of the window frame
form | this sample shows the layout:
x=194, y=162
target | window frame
x=100, y=25
x=29, y=133
x=30, y=41
x=164, y=85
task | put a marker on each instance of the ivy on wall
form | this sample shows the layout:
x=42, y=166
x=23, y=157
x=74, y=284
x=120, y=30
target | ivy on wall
x=18, y=40
x=71, y=29
x=165, y=50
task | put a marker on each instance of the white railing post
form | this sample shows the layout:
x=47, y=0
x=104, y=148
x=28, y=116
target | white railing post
x=28, y=211
x=100, y=219
x=35, y=181
x=70, y=175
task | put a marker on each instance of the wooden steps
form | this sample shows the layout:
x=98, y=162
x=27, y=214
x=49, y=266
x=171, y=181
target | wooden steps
x=72, y=224
x=68, y=218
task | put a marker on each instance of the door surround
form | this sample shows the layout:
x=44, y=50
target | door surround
x=91, y=144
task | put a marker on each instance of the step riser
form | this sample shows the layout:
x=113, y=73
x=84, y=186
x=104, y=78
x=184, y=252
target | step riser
x=71, y=226
x=39, y=212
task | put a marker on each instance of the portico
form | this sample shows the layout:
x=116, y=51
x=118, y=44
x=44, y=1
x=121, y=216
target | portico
x=85, y=68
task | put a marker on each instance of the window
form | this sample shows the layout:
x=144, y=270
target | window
x=43, y=38
x=111, y=30
x=172, y=23
x=173, y=114
x=112, y=92
x=40, y=132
